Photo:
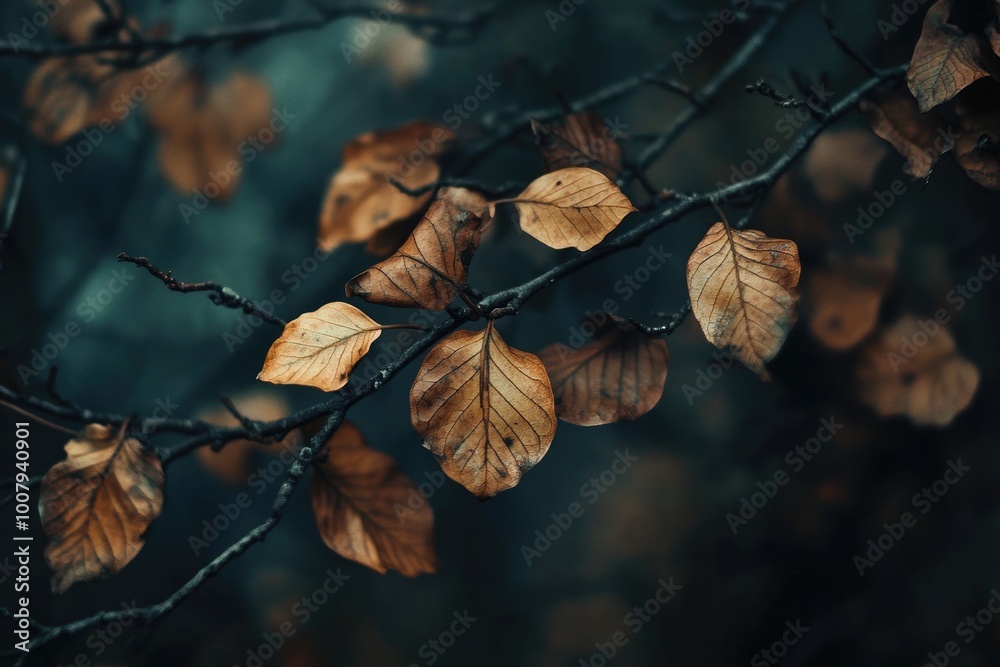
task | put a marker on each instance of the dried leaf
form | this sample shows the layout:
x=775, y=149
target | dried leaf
x=67, y=95
x=361, y=200
x=743, y=289
x=617, y=376
x=946, y=60
x=581, y=140
x=80, y=21
x=356, y=494
x=571, y=208
x=920, y=138
x=913, y=369
x=97, y=504
x=484, y=409
x=428, y=269
x=202, y=129
x=845, y=301
x=320, y=349
x=977, y=147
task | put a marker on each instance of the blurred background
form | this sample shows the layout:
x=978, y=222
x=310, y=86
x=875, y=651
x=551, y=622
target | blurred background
x=717, y=433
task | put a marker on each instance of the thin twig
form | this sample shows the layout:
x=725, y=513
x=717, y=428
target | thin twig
x=220, y=296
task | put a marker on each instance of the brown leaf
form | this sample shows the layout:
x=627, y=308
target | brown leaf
x=571, y=208
x=361, y=200
x=581, y=140
x=619, y=375
x=946, y=60
x=913, y=369
x=977, y=147
x=320, y=349
x=60, y=99
x=97, y=504
x=845, y=300
x=357, y=495
x=79, y=21
x=67, y=95
x=484, y=409
x=202, y=129
x=430, y=266
x=918, y=137
x=743, y=289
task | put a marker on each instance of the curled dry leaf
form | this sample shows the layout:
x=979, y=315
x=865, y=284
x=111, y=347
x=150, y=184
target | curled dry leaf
x=580, y=140
x=320, y=349
x=619, y=375
x=921, y=138
x=913, y=369
x=433, y=263
x=361, y=200
x=361, y=499
x=97, y=504
x=743, y=289
x=946, y=60
x=977, y=147
x=571, y=208
x=203, y=130
x=484, y=409
x=845, y=300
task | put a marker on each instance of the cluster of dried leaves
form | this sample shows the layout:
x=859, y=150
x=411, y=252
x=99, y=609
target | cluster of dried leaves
x=201, y=124
x=952, y=101
x=486, y=410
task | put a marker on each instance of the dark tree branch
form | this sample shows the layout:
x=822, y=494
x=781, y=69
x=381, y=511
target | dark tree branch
x=711, y=89
x=439, y=29
x=220, y=296
x=502, y=304
x=674, y=320
x=844, y=45
x=469, y=184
